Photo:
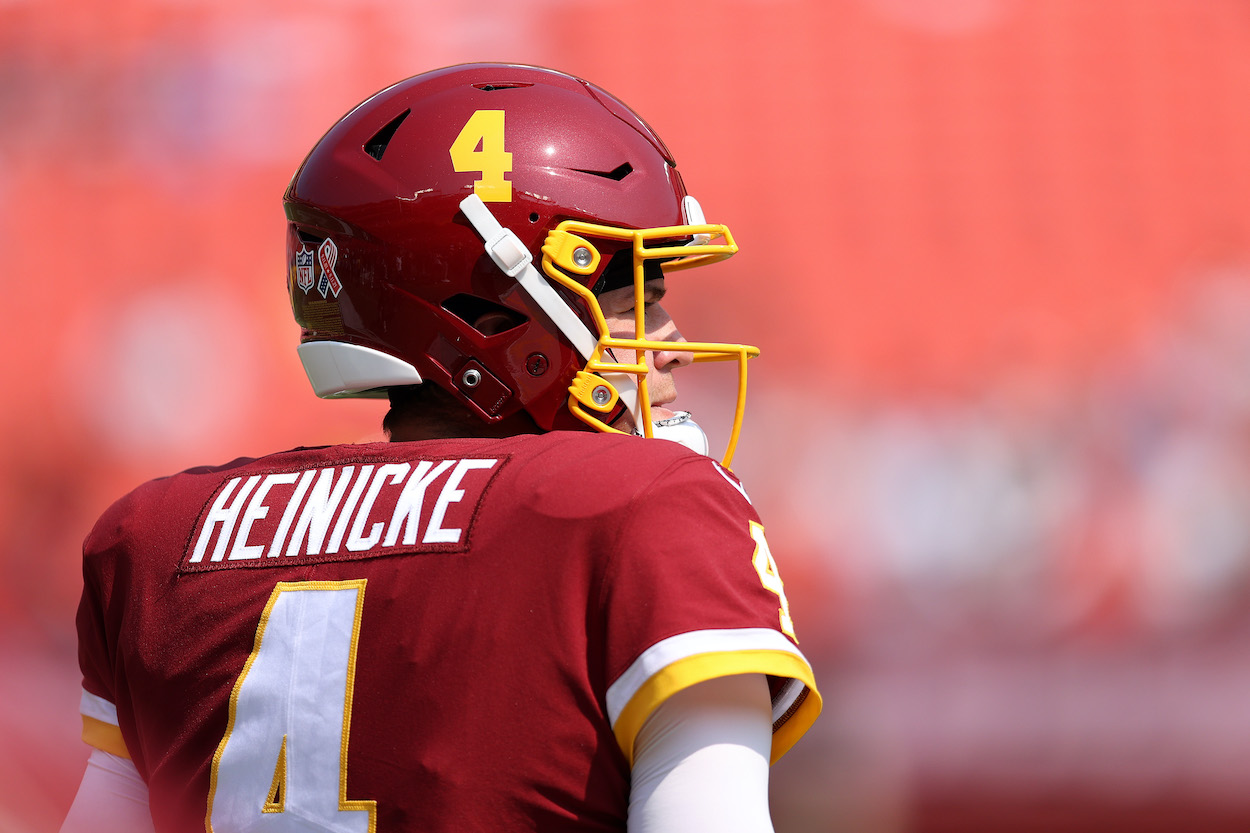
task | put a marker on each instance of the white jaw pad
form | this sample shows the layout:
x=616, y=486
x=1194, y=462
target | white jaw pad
x=338, y=369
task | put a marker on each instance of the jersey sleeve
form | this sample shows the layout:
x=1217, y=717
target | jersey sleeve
x=693, y=594
x=97, y=638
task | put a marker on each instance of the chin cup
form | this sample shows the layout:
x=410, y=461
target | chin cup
x=682, y=429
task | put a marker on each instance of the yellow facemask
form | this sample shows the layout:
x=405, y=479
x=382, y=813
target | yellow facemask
x=597, y=389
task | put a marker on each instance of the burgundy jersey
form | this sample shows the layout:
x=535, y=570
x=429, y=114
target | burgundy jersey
x=445, y=635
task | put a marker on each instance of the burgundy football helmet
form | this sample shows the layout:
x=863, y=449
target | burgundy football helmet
x=500, y=193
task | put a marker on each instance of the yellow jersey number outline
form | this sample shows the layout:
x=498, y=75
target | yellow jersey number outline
x=766, y=567
x=235, y=801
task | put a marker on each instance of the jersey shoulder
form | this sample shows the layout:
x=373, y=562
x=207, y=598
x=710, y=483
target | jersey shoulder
x=599, y=473
x=142, y=506
x=160, y=503
x=561, y=475
x=626, y=459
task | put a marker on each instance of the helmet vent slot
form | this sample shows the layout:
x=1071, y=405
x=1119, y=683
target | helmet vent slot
x=376, y=146
x=504, y=85
x=618, y=173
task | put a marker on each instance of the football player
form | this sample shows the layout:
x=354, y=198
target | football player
x=541, y=606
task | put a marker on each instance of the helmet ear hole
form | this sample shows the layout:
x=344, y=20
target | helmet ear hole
x=484, y=316
x=493, y=323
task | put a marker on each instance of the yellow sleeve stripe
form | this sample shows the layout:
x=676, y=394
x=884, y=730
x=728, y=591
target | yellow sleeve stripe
x=104, y=736
x=690, y=670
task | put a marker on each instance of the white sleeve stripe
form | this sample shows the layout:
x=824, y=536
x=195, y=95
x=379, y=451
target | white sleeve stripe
x=675, y=648
x=98, y=708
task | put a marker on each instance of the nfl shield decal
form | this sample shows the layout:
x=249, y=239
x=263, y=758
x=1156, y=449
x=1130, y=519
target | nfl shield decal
x=317, y=269
x=304, y=268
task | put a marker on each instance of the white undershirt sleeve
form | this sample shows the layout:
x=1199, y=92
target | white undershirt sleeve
x=701, y=760
x=112, y=798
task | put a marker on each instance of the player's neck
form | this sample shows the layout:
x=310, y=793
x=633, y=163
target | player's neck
x=410, y=427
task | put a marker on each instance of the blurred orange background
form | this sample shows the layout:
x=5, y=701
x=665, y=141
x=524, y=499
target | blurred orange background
x=997, y=255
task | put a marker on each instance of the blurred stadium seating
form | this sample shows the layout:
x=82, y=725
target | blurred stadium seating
x=997, y=253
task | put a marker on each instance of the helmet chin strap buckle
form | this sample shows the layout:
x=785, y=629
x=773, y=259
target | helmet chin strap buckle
x=683, y=430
